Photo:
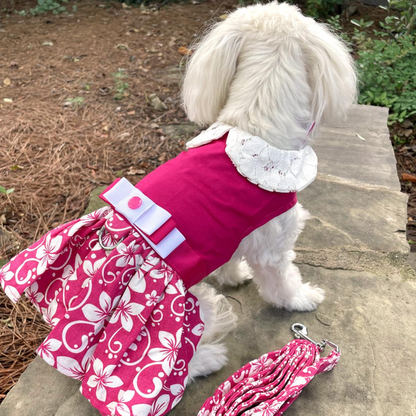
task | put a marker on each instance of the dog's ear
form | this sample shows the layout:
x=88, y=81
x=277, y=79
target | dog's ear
x=331, y=74
x=210, y=72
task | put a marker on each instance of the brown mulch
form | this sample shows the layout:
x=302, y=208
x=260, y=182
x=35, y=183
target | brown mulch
x=405, y=152
x=54, y=151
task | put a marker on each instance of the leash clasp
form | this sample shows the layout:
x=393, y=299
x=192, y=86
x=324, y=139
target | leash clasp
x=301, y=331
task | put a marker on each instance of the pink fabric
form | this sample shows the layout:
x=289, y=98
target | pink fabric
x=122, y=321
x=269, y=385
x=213, y=206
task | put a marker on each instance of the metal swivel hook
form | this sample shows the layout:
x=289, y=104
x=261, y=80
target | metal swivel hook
x=301, y=331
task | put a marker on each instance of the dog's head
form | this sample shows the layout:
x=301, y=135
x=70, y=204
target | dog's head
x=271, y=70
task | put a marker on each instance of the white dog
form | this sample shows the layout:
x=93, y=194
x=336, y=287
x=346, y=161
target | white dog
x=269, y=71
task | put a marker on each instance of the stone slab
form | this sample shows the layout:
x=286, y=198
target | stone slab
x=355, y=248
x=178, y=131
x=341, y=153
x=95, y=202
x=412, y=259
x=41, y=390
x=370, y=316
x=353, y=216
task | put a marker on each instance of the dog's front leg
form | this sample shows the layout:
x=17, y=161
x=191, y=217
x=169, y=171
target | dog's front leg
x=269, y=252
x=280, y=283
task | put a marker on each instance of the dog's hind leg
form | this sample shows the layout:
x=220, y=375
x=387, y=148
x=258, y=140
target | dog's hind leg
x=219, y=320
x=233, y=273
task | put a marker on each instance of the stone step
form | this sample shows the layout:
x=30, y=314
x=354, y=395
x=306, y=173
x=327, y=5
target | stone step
x=355, y=248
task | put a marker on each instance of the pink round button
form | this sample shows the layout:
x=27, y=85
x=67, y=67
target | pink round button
x=134, y=202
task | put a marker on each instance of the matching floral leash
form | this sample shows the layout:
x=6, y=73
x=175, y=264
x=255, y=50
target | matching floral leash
x=269, y=385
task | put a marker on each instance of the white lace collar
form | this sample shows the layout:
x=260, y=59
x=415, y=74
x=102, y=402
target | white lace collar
x=262, y=164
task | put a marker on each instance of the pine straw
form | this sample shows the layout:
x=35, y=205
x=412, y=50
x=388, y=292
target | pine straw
x=54, y=156
x=20, y=333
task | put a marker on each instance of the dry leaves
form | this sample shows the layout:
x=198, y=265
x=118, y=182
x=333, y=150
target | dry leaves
x=184, y=51
x=408, y=177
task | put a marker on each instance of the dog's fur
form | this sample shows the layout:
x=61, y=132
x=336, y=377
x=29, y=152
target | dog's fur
x=271, y=71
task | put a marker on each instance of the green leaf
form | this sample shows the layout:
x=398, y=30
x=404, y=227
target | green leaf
x=5, y=191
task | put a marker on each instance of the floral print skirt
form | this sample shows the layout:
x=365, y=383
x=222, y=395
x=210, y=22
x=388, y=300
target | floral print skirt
x=122, y=321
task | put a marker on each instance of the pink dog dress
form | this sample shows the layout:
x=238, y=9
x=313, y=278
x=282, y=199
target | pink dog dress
x=113, y=285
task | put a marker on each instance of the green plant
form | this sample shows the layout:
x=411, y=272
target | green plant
x=362, y=23
x=387, y=62
x=398, y=141
x=45, y=6
x=336, y=24
x=405, y=23
x=5, y=191
x=75, y=102
x=388, y=76
x=121, y=87
x=323, y=8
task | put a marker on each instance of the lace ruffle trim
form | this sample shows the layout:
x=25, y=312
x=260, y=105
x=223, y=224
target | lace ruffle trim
x=272, y=169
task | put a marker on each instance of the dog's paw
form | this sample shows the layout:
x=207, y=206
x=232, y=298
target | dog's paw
x=207, y=359
x=244, y=273
x=307, y=299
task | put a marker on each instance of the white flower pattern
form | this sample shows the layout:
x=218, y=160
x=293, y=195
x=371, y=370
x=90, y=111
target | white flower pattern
x=128, y=255
x=47, y=347
x=158, y=408
x=120, y=407
x=168, y=352
x=125, y=310
x=33, y=295
x=5, y=273
x=109, y=310
x=48, y=252
x=103, y=378
x=100, y=314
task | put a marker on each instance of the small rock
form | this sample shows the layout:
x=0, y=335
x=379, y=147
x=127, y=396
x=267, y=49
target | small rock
x=133, y=171
x=177, y=131
x=123, y=135
x=352, y=9
x=323, y=319
x=157, y=103
x=407, y=133
x=47, y=43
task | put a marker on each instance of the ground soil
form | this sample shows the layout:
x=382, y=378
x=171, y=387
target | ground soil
x=62, y=132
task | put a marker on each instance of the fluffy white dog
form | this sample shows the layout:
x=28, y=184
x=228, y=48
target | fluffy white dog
x=270, y=71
